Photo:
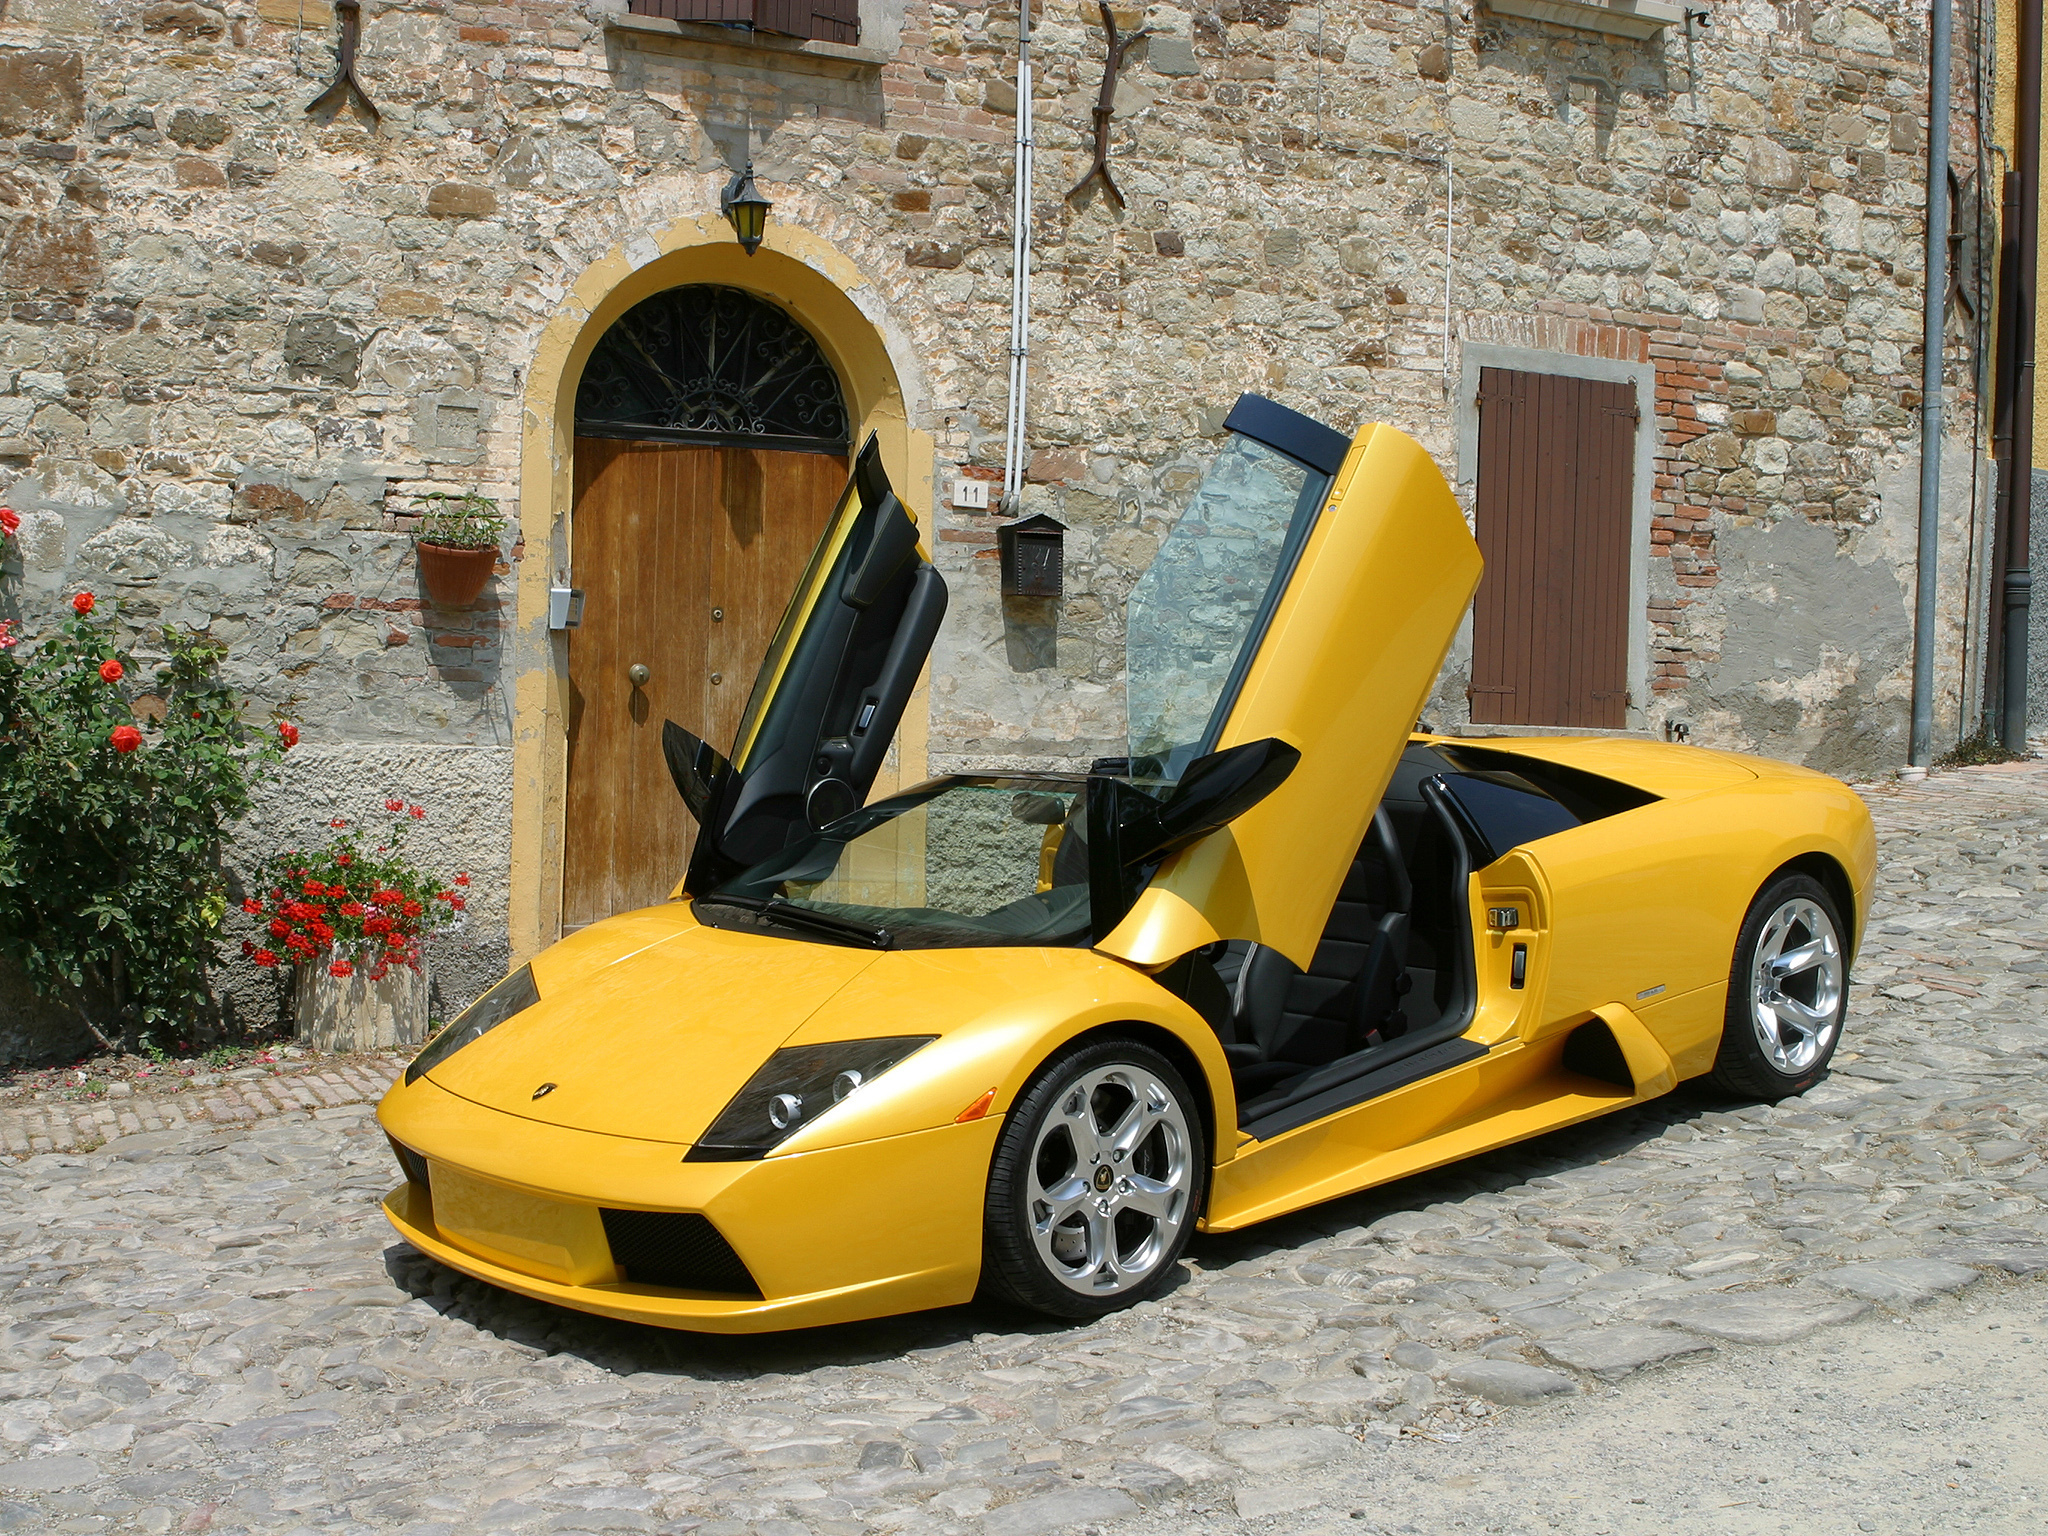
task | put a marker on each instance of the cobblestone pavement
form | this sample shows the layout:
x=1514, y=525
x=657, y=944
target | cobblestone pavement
x=211, y=1328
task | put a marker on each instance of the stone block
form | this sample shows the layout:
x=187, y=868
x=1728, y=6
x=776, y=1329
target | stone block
x=1056, y=1511
x=183, y=19
x=1756, y=1317
x=195, y=173
x=51, y=253
x=1510, y=1382
x=324, y=347
x=42, y=92
x=460, y=200
x=1901, y=1283
x=1616, y=1351
x=198, y=130
x=931, y=253
x=1171, y=56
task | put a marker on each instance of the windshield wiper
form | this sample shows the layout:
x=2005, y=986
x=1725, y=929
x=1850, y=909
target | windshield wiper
x=782, y=911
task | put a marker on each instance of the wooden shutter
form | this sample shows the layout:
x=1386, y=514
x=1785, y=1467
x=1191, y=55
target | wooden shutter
x=1553, y=514
x=832, y=21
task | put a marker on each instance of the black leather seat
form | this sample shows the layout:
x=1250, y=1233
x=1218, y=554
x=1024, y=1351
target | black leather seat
x=1285, y=1020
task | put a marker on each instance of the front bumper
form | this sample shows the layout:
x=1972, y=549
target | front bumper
x=832, y=1236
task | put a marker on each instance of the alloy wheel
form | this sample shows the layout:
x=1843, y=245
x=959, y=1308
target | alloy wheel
x=1112, y=1180
x=1796, y=986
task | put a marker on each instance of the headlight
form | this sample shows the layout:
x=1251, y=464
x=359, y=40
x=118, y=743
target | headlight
x=799, y=1083
x=512, y=995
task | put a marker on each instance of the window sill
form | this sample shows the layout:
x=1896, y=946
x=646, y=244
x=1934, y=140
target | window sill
x=810, y=56
x=1623, y=18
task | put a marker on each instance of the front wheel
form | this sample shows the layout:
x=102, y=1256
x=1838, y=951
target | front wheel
x=1096, y=1182
x=1787, y=992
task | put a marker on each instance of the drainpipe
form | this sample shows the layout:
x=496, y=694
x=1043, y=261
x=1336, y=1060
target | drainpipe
x=2019, y=577
x=2004, y=383
x=1934, y=326
x=1020, y=276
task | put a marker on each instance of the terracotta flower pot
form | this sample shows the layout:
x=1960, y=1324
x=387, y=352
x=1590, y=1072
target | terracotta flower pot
x=454, y=577
x=355, y=1013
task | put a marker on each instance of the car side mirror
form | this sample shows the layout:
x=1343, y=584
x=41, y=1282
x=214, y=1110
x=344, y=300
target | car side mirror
x=700, y=770
x=1128, y=827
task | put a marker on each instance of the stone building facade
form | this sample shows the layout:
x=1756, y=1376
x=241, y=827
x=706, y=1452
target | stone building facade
x=241, y=339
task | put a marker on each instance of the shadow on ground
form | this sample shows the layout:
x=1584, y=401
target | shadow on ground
x=630, y=1349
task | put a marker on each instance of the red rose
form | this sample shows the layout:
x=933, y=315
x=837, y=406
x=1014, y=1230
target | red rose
x=252, y=906
x=394, y=806
x=9, y=519
x=111, y=671
x=264, y=957
x=82, y=604
x=125, y=738
x=288, y=734
x=341, y=968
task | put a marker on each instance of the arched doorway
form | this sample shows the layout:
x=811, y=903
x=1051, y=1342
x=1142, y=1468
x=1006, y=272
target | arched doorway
x=711, y=441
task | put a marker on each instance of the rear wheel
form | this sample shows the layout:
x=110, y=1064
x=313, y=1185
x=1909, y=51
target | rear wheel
x=1787, y=992
x=1096, y=1182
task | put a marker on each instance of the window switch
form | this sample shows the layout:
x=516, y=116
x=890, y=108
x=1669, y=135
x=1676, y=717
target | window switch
x=1518, y=966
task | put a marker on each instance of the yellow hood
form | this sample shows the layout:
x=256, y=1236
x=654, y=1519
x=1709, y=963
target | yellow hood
x=648, y=1024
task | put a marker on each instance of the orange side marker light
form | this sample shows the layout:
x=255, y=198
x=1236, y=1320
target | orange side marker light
x=977, y=1109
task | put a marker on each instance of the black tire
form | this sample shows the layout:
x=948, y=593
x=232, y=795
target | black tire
x=1120, y=1254
x=1771, y=1050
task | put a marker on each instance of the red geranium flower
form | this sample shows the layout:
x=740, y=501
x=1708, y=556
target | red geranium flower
x=351, y=909
x=279, y=928
x=343, y=860
x=394, y=806
x=462, y=879
x=125, y=738
x=457, y=903
x=111, y=671
x=337, y=823
x=416, y=812
x=82, y=604
x=412, y=909
x=264, y=957
x=252, y=906
x=288, y=734
x=341, y=968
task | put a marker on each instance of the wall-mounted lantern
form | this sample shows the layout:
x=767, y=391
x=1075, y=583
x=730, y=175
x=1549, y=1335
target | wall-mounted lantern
x=1033, y=553
x=746, y=209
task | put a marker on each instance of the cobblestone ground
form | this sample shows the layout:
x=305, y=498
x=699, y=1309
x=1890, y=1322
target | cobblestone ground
x=211, y=1328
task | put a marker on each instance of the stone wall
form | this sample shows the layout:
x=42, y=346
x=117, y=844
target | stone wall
x=240, y=340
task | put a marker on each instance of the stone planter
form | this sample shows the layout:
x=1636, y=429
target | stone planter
x=354, y=1013
x=454, y=577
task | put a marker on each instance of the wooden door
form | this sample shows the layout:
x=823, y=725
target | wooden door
x=1555, y=505
x=686, y=556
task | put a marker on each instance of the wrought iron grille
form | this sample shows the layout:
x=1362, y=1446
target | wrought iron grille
x=711, y=364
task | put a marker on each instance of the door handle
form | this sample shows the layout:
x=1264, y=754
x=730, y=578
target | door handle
x=638, y=675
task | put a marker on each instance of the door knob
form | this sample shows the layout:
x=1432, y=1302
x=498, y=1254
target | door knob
x=637, y=674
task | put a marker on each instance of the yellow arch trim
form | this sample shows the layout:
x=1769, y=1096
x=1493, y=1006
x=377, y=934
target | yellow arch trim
x=813, y=280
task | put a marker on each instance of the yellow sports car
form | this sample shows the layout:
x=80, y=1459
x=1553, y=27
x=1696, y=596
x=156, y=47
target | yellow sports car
x=1023, y=1034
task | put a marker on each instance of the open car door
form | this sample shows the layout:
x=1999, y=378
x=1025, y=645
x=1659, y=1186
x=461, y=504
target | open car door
x=1305, y=600
x=830, y=692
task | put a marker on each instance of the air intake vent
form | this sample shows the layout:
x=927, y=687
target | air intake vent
x=677, y=1249
x=413, y=1164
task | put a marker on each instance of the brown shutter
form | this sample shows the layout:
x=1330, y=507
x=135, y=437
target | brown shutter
x=1554, y=499
x=694, y=10
x=835, y=21
x=831, y=21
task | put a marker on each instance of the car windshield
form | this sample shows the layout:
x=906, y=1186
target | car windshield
x=1195, y=616
x=966, y=864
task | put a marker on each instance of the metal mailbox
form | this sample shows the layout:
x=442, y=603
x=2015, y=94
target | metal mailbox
x=1033, y=552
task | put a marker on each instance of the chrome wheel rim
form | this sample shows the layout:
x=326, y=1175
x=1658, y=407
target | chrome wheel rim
x=1112, y=1180
x=1795, y=986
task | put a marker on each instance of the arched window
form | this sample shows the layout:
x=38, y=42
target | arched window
x=711, y=364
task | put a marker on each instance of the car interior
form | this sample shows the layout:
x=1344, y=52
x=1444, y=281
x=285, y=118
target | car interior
x=1392, y=985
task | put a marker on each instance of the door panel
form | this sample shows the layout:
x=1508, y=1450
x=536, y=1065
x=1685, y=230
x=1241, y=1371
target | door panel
x=665, y=537
x=834, y=680
x=1553, y=517
x=1340, y=674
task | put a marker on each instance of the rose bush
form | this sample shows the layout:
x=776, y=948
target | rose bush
x=351, y=902
x=112, y=892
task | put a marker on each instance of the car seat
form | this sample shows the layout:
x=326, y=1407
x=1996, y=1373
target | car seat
x=1284, y=1020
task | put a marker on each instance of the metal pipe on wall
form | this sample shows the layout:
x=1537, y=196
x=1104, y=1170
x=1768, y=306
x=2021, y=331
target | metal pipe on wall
x=1020, y=276
x=2019, y=579
x=1934, y=327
